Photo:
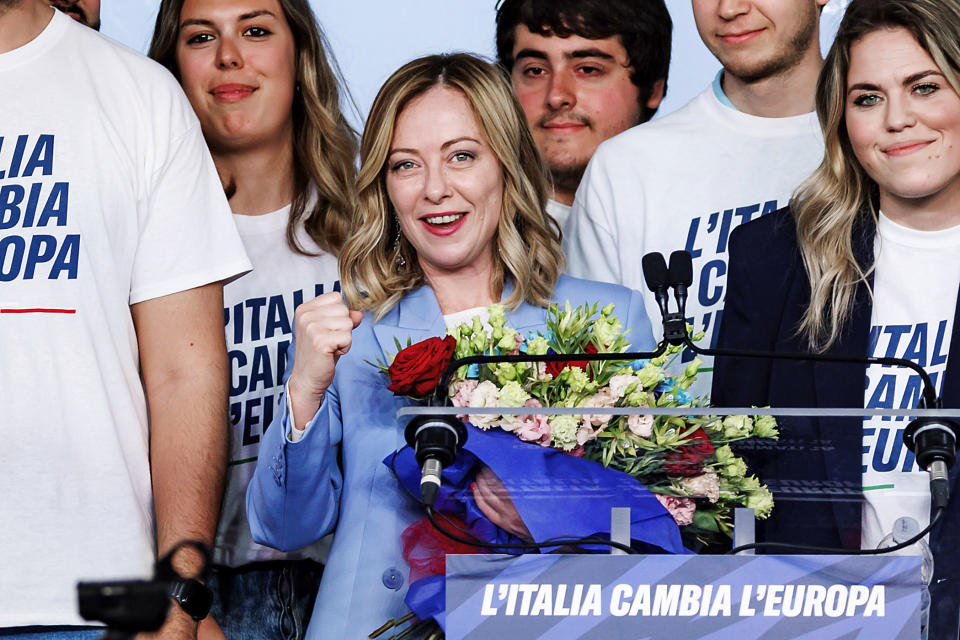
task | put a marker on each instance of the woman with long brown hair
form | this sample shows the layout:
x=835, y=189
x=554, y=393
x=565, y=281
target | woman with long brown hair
x=865, y=262
x=261, y=80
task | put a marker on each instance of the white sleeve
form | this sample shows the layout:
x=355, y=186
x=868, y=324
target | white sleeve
x=187, y=234
x=589, y=238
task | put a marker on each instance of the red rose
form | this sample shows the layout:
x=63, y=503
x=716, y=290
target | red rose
x=700, y=444
x=682, y=464
x=555, y=368
x=416, y=370
x=688, y=460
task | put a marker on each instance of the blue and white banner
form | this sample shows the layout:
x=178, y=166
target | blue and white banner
x=682, y=597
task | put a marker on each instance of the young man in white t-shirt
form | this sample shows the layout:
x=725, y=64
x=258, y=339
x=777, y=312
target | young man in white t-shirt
x=584, y=70
x=733, y=153
x=114, y=239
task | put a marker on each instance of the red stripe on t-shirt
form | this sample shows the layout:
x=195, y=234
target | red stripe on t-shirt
x=38, y=310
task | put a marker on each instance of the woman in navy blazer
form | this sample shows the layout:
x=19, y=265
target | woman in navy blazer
x=451, y=218
x=802, y=279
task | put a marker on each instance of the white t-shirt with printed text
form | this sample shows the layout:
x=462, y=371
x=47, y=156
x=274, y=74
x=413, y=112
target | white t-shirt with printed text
x=258, y=317
x=915, y=295
x=108, y=198
x=685, y=181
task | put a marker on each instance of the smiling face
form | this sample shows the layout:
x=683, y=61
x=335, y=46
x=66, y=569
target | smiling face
x=758, y=39
x=237, y=63
x=576, y=92
x=903, y=121
x=446, y=185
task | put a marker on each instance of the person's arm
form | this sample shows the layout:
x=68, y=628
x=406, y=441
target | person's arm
x=185, y=373
x=293, y=497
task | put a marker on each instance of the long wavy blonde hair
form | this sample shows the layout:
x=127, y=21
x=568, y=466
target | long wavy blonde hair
x=838, y=199
x=375, y=270
x=324, y=144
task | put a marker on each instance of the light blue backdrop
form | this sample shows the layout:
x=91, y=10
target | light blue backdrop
x=371, y=38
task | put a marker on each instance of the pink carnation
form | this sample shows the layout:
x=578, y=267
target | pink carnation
x=533, y=428
x=461, y=397
x=520, y=341
x=603, y=398
x=585, y=434
x=682, y=509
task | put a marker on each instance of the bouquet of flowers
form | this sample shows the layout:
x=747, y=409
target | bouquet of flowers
x=684, y=461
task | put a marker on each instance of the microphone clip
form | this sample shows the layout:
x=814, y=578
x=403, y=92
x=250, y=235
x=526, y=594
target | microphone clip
x=435, y=441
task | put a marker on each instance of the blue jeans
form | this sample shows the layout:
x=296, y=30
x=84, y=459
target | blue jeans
x=51, y=633
x=265, y=600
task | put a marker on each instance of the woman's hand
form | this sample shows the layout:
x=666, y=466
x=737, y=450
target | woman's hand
x=324, y=329
x=495, y=503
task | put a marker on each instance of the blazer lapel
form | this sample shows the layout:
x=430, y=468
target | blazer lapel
x=950, y=391
x=416, y=317
x=842, y=385
x=950, y=395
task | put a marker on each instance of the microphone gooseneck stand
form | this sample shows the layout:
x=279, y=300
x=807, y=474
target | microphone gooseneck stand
x=437, y=438
x=932, y=440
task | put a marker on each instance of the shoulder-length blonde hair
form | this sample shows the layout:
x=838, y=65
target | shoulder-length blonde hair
x=837, y=200
x=376, y=271
x=324, y=144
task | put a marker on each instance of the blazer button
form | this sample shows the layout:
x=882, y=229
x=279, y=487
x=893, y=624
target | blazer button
x=392, y=579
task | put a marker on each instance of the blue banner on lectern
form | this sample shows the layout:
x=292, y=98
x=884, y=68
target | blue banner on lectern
x=682, y=597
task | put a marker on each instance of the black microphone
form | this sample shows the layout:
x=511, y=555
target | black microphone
x=680, y=276
x=655, y=274
x=659, y=279
x=932, y=440
x=934, y=443
x=435, y=440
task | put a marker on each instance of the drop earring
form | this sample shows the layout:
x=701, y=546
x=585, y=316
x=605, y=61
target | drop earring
x=401, y=261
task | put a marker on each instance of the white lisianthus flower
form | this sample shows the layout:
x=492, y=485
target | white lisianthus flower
x=640, y=425
x=705, y=485
x=620, y=384
x=602, y=398
x=485, y=395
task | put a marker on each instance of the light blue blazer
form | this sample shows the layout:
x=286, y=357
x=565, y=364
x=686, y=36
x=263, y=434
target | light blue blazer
x=301, y=491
